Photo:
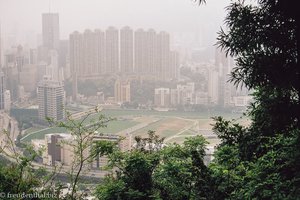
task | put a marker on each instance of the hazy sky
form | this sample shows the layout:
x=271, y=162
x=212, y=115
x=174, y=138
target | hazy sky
x=170, y=15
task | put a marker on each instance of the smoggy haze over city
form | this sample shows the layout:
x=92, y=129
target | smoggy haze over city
x=23, y=18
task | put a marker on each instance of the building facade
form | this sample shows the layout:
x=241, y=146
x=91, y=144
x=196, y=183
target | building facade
x=59, y=149
x=162, y=97
x=122, y=91
x=51, y=99
x=50, y=30
x=112, y=50
x=2, y=90
x=126, y=50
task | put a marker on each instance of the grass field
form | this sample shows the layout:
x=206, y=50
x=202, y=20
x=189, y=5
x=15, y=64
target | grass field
x=167, y=124
x=41, y=133
x=190, y=115
x=112, y=127
x=117, y=126
x=32, y=129
x=165, y=127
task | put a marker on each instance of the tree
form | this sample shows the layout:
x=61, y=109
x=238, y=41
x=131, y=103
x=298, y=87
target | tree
x=153, y=171
x=17, y=174
x=134, y=169
x=264, y=39
x=84, y=148
x=182, y=173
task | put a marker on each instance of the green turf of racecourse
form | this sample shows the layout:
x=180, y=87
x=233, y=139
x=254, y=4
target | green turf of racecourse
x=190, y=115
x=116, y=126
x=112, y=127
x=154, y=126
x=41, y=134
x=32, y=129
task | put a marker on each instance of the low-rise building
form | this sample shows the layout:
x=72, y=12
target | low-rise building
x=59, y=149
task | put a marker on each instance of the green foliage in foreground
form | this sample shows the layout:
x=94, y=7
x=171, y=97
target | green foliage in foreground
x=151, y=171
x=261, y=161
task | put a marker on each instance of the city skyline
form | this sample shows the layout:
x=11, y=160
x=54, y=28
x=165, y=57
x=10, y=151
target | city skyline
x=96, y=14
x=125, y=51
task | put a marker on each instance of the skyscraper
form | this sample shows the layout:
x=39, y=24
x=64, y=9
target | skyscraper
x=126, y=50
x=76, y=46
x=51, y=99
x=99, y=51
x=173, y=65
x=213, y=83
x=151, y=55
x=87, y=53
x=89, y=63
x=0, y=48
x=163, y=69
x=122, y=91
x=140, y=51
x=76, y=60
x=112, y=50
x=50, y=30
x=2, y=90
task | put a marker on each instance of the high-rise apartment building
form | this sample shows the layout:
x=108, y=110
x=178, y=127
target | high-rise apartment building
x=144, y=53
x=112, y=50
x=122, y=91
x=50, y=30
x=2, y=90
x=163, y=53
x=126, y=50
x=76, y=43
x=173, y=65
x=88, y=46
x=140, y=52
x=152, y=53
x=7, y=100
x=162, y=97
x=213, y=89
x=0, y=48
x=50, y=95
x=99, y=51
x=87, y=53
x=76, y=60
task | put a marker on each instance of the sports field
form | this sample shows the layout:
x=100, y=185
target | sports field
x=174, y=126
